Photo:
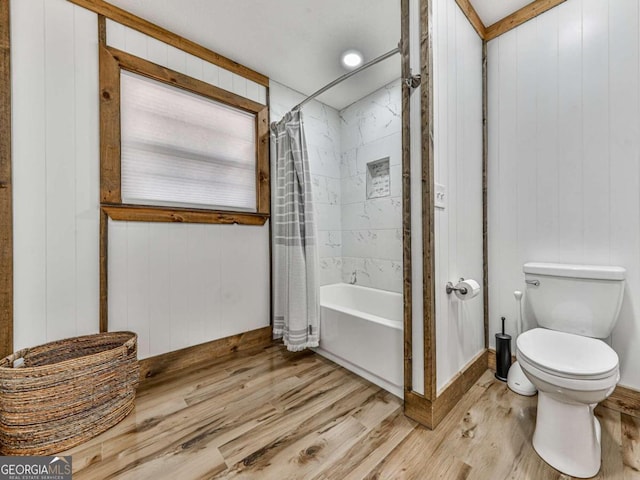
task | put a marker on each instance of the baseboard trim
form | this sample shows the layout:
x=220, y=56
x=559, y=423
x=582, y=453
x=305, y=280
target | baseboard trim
x=198, y=355
x=458, y=386
x=417, y=407
x=623, y=399
x=431, y=413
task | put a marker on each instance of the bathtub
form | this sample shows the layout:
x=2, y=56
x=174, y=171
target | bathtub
x=361, y=330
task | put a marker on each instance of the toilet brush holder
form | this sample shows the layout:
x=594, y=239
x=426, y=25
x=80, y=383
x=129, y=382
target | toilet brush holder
x=503, y=354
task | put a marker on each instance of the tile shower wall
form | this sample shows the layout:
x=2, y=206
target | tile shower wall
x=356, y=234
x=322, y=129
x=371, y=130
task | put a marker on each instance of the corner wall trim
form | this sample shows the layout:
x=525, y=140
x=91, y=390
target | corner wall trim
x=623, y=399
x=458, y=386
x=6, y=190
x=199, y=355
x=431, y=413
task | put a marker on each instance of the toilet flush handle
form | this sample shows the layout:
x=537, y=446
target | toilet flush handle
x=535, y=283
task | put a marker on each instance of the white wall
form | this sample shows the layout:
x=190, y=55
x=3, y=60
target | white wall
x=564, y=154
x=371, y=129
x=56, y=209
x=458, y=166
x=55, y=170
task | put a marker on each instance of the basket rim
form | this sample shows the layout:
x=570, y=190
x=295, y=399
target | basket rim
x=9, y=360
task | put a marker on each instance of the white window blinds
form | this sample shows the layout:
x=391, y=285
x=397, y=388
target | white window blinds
x=184, y=150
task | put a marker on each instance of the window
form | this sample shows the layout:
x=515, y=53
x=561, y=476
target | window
x=174, y=148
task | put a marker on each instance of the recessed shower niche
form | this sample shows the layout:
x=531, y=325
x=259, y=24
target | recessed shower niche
x=378, y=179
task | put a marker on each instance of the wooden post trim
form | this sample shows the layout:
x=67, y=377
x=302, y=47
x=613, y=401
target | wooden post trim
x=485, y=204
x=104, y=271
x=143, y=26
x=519, y=17
x=6, y=190
x=406, y=199
x=428, y=234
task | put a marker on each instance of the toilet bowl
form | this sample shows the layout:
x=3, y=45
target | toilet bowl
x=572, y=374
x=575, y=306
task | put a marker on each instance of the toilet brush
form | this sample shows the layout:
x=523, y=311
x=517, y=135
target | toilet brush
x=516, y=379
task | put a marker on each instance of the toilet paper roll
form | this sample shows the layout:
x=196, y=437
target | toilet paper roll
x=473, y=289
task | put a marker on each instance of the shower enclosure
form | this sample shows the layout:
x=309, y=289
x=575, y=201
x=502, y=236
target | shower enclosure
x=355, y=159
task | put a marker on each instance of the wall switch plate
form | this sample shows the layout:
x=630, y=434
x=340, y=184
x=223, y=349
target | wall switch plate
x=440, y=196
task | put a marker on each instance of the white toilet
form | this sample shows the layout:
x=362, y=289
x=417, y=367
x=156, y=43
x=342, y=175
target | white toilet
x=575, y=305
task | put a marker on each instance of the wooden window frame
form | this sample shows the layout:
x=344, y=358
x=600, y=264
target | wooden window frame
x=112, y=62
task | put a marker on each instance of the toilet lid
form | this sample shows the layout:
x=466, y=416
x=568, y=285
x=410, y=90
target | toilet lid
x=566, y=354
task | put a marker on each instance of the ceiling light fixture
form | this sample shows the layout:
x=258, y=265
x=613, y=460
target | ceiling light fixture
x=351, y=59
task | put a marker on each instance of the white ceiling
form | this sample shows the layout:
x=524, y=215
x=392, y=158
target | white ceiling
x=490, y=11
x=294, y=42
x=298, y=42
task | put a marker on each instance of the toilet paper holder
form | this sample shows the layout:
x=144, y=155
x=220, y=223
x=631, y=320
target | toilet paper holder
x=454, y=288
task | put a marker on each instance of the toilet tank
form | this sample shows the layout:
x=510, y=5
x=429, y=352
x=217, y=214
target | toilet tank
x=580, y=299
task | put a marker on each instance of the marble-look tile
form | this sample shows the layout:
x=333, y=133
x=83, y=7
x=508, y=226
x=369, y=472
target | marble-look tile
x=348, y=163
x=354, y=189
x=324, y=162
x=396, y=181
x=374, y=273
x=326, y=190
x=355, y=266
x=389, y=146
x=328, y=217
x=381, y=244
x=376, y=213
x=334, y=196
x=330, y=270
x=319, y=189
x=330, y=243
x=373, y=117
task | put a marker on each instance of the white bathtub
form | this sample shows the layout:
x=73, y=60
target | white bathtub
x=361, y=329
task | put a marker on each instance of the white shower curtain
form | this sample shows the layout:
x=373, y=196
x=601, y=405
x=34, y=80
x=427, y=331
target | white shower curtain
x=296, y=307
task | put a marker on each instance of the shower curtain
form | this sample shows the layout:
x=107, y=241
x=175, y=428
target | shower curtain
x=296, y=306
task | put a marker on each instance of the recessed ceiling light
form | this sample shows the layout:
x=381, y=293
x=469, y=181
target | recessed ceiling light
x=351, y=59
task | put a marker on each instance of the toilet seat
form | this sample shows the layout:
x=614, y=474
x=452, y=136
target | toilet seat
x=566, y=355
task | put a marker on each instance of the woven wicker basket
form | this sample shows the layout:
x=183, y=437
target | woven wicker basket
x=57, y=395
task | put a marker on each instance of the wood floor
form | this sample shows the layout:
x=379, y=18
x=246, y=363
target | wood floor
x=276, y=415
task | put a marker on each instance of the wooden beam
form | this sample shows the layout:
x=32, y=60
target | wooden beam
x=198, y=355
x=6, y=206
x=519, y=17
x=131, y=213
x=132, y=21
x=472, y=16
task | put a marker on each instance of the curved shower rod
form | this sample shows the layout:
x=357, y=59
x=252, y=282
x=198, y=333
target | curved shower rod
x=347, y=75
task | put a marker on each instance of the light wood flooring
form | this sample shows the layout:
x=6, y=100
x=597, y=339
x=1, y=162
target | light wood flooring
x=276, y=415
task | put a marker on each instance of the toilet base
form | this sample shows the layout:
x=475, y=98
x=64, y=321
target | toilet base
x=567, y=436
